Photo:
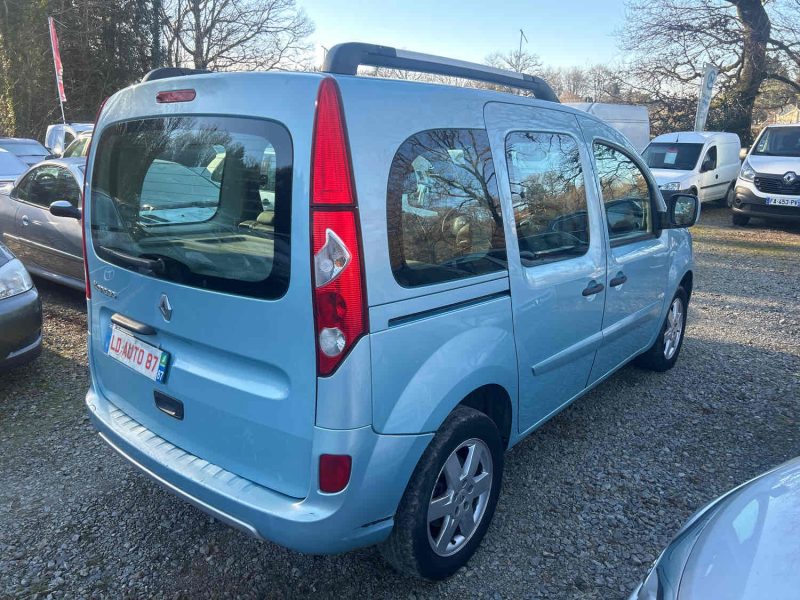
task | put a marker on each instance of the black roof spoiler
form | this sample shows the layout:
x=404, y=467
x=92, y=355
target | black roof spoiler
x=344, y=59
x=167, y=72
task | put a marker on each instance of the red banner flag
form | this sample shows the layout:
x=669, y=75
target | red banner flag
x=57, y=60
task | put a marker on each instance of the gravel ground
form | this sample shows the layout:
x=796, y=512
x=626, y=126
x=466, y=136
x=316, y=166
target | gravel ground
x=588, y=500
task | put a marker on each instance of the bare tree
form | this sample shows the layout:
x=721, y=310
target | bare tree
x=751, y=41
x=520, y=61
x=235, y=34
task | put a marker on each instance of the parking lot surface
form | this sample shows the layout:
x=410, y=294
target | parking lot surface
x=588, y=501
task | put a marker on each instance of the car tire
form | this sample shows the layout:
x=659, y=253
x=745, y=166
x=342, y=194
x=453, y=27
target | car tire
x=663, y=354
x=740, y=220
x=730, y=196
x=426, y=546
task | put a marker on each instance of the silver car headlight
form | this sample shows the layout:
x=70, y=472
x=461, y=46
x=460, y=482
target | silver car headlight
x=747, y=173
x=14, y=279
x=671, y=186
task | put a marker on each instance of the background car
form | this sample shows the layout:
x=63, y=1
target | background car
x=11, y=167
x=28, y=150
x=769, y=181
x=49, y=246
x=60, y=135
x=704, y=163
x=79, y=146
x=743, y=545
x=20, y=313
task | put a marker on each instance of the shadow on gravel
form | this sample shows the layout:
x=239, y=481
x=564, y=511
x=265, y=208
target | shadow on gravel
x=60, y=295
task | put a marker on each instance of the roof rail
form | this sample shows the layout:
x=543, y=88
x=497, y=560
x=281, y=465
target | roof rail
x=344, y=59
x=166, y=72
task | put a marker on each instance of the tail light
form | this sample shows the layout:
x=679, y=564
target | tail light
x=83, y=203
x=340, y=307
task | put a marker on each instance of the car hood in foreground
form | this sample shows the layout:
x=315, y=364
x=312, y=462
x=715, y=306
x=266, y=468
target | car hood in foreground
x=750, y=547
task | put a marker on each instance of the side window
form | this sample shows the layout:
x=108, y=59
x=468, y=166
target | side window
x=710, y=160
x=443, y=212
x=40, y=186
x=625, y=193
x=21, y=191
x=67, y=188
x=549, y=197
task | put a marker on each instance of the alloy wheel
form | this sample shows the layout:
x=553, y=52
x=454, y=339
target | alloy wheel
x=674, y=328
x=460, y=496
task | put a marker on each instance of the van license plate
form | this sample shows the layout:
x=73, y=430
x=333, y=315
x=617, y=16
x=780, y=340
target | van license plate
x=136, y=354
x=784, y=201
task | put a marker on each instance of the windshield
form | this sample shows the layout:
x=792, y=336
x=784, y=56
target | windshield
x=77, y=148
x=24, y=148
x=681, y=157
x=779, y=141
x=201, y=201
x=10, y=166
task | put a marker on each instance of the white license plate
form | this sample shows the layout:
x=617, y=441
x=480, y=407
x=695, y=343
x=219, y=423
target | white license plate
x=784, y=201
x=136, y=354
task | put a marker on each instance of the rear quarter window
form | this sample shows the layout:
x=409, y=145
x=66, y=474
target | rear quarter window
x=443, y=211
x=201, y=201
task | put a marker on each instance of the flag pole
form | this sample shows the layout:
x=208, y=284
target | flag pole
x=56, y=61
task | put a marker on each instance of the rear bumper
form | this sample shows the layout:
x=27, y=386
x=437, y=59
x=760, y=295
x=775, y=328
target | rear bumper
x=361, y=515
x=20, y=329
x=751, y=203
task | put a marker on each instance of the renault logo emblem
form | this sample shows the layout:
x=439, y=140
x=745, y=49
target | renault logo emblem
x=790, y=178
x=165, y=307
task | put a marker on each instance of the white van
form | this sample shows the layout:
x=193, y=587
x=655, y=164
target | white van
x=61, y=135
x=631, y=120
x=769, y=184
x=703, y=163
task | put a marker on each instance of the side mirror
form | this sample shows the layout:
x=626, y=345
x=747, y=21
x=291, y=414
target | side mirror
x=62, y=208
x=707, y=165
x=743, y=153
x=683, y=210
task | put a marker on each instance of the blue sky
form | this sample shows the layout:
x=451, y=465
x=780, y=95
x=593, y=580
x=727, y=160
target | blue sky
x=562, y=32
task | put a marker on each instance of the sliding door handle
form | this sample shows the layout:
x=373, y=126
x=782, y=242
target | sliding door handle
x=618, y=280
x=593, y=288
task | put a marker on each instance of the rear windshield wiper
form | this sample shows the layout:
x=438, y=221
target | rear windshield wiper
x=155, y=265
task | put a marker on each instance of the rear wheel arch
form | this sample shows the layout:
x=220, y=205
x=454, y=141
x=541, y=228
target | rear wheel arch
x=494, y=401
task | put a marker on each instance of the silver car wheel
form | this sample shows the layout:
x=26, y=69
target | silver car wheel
x=460, y=496
x=674, y=330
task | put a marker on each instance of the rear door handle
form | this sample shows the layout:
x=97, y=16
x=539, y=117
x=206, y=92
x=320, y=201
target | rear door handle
x=593, y=288
x=25, y=220
x=618, y=280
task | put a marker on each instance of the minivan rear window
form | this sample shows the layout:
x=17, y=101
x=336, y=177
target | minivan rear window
x=198, y=200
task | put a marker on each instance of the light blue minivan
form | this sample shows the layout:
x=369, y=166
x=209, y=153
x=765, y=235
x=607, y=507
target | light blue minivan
x=322, y=306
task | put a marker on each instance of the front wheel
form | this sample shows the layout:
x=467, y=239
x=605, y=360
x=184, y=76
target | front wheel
x=450, y=500
x=663, y=354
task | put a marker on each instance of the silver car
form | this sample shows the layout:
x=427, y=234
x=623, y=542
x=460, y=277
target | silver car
x=27, y=150
x=10, y=168
x=742, y=546
x=49, y=246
